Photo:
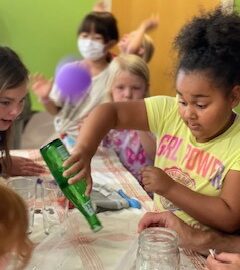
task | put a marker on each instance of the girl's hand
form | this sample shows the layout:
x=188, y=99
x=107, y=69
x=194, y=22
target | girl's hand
x=25, y=166
x=156, y=180
x=41, y=86
x=163, y=219
x=100, y=6
x=150, y=23
x=168, y=220
x=224, y=261
x=78, y=166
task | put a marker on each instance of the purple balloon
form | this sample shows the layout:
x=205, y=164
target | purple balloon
x=66, y=60
x=73, y=81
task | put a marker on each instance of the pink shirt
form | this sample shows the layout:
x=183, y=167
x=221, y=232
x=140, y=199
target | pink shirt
x=127, y=145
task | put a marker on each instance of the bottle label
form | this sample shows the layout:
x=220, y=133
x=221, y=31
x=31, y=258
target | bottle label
x=62, y=152
x=88, y=208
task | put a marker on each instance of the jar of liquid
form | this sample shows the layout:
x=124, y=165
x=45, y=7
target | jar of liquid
x=158, y=249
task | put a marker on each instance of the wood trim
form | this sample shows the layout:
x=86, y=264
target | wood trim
x=130, y=13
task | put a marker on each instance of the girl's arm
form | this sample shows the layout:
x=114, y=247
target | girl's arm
x=136, y=38
x=117, y=115
x=51, y=107
x=221, y=212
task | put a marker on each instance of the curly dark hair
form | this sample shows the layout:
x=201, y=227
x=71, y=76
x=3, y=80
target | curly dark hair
x=211, y=43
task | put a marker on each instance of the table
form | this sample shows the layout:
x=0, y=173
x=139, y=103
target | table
x=113, y=247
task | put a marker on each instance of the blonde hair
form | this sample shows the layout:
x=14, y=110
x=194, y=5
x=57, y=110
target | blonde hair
x=14, y=226
x=127, y=62
x=148, y=48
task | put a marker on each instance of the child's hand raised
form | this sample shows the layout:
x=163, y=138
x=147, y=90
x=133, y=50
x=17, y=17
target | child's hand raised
x=150, y=23
x=156, y=180
x=40, y=85
x=100, y=6
x=78, y=166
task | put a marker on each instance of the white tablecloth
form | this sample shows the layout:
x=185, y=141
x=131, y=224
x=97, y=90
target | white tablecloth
x=113, y=247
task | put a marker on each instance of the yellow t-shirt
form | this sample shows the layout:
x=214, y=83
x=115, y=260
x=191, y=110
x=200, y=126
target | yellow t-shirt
x=199, y=166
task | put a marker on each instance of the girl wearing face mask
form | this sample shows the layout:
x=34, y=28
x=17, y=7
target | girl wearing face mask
x=129, y=81
x=97, y=34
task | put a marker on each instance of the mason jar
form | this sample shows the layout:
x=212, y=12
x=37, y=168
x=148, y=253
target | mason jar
x=158, y=250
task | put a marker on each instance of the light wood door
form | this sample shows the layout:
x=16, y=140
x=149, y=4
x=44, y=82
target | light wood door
x=173, y=14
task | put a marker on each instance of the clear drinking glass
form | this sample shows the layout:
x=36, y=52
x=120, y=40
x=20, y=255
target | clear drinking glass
x=26, y=188
x=158, y=249
x=55, y=207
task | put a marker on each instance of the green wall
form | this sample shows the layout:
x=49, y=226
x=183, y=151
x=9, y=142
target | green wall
x=237, y=4
x=42, y=31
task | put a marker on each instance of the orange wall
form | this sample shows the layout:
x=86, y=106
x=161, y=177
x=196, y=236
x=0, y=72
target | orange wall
x=173, y=14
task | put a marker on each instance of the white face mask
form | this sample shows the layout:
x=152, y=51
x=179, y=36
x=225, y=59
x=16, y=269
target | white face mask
x=90, y=49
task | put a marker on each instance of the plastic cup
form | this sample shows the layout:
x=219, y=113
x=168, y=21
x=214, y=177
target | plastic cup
x=26, y=188
x=55, y=208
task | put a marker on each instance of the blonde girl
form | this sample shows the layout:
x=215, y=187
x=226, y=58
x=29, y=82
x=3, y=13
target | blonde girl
x=13, y=227
x=128, y=81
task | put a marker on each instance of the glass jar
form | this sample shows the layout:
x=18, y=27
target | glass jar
x=158, y=249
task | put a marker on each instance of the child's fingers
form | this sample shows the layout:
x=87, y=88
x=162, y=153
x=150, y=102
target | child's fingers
x=228, y=257
x=89, y=185
x=36, y=77
x=71, y=160
x=76, y=167
x=152, y=22
x=146, y=169
x=148, y=187
x=76, y=178
x=148, y=220
x=147, y=183
x=211, y=260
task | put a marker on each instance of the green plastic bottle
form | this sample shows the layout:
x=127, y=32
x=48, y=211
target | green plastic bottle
x=54, y=154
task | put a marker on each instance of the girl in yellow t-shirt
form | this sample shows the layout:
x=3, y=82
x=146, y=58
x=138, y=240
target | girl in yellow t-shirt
x=197, y=163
